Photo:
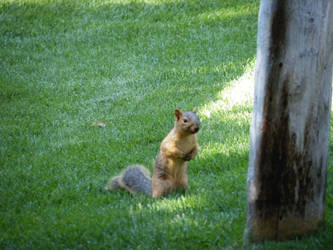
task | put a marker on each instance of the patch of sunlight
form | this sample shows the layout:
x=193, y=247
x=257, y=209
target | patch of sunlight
x=224, y=13
x=239, y=92
x=176, y=204
x=185, y=220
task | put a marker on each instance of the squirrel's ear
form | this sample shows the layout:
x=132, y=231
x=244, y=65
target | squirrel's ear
x=194, y=110
x=178, y=114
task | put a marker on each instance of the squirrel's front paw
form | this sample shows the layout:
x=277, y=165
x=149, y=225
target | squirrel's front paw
x=188, y=156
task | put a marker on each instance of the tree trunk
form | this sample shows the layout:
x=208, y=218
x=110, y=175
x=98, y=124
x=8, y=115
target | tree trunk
x=290, y=126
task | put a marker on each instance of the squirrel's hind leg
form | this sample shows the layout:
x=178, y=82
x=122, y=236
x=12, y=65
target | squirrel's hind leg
x=161, y=187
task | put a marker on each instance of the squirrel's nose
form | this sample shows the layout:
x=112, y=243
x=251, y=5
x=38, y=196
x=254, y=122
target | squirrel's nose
x=196, y=129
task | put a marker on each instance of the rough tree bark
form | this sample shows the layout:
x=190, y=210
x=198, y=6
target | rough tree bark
x=290, y=127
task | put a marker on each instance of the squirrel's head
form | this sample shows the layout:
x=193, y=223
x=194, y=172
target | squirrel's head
x=188, y=122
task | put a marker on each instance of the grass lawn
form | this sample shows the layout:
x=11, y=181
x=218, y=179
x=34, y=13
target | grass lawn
x=66, y=64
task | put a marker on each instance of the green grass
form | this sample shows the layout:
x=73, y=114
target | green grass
x=66, y=64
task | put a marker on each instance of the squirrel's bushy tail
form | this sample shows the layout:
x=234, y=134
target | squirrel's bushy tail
x=135, y=178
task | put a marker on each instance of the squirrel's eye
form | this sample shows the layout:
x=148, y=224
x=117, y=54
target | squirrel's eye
x=185, y=120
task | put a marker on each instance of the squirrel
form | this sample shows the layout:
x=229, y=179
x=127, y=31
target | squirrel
x=170, y=169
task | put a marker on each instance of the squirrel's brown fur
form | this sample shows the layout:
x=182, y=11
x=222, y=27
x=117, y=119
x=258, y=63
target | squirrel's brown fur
x=170, y=170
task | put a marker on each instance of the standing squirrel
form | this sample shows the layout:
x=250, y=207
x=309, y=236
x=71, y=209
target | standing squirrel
x=170, y=170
